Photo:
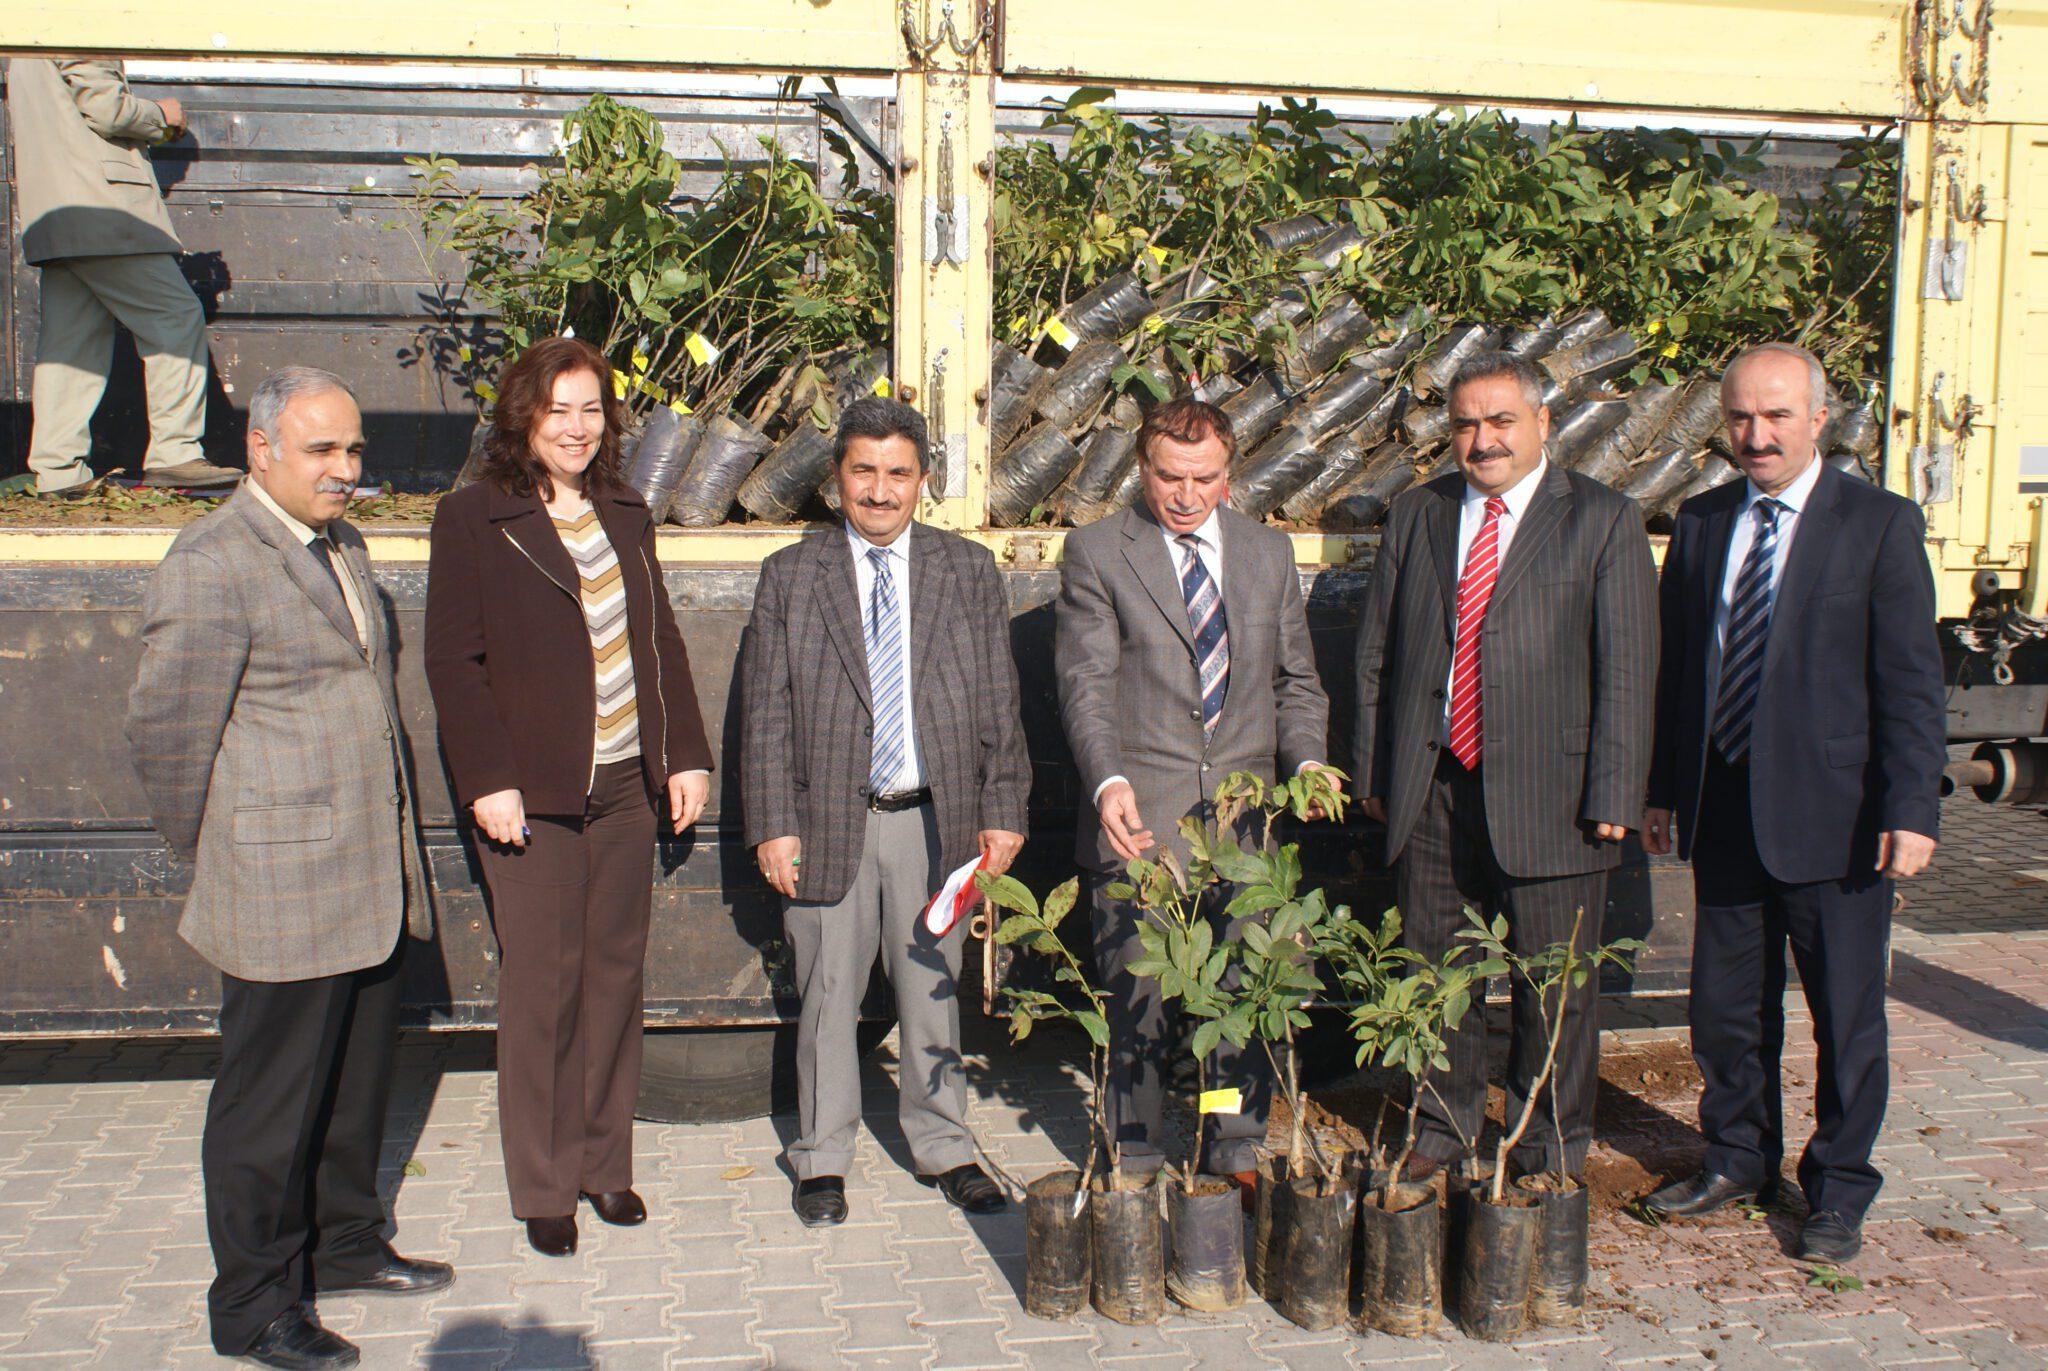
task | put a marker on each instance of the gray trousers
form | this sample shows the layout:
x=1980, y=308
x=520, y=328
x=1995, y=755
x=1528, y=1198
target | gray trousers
x=834, y=947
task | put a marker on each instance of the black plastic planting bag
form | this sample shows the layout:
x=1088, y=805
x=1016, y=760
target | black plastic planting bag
x=1378, y=424
x=1664, y=473
x=1342, y=458
x=1586, y=365
x=1323, y=343
x=1023, y=476
x=1279, y=235
x=662, y=458
x=1582, y=327
x=856, y=376
x=1573, y=434
x=1649, y=408
x=1186, y=295
x=1332, y=247
x=1388, y=358
x=1698, y=416
x=1341, y=401
x=1434, y=371
x=1853, y=429
x=1532, y=342
x=726, y=453
x=1129, y=408
x=1255, y=411
x=1114, y=308
x=1715, y=470
x=1218, y=388
x=1110, y=455
x=1425, y=425
x=1077, y=389
x=1284, y=470
x=1014, y=385
x=473, y=461
x=1361, y=505
x=788, y=475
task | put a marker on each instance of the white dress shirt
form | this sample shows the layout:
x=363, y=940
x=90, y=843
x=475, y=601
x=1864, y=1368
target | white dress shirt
x=1793, y=498
x=1471, y=517
x=305, y=534
x=910, y=773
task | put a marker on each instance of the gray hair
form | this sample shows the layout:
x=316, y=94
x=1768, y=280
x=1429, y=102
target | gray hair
x=281, y=387
x=1816, y=374
x=1489, y=366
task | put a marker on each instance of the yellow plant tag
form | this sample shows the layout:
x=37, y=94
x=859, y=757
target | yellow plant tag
x=1159, y=254
x=1229, y=1101
x=1354, y=250
x=619, y=383
x=679, y=407
x=1057, y=330
x=1670, y=350
x=881, y=386
x=1153, y=323
x=1655, y=326
x=701, y=349
x=640, y=362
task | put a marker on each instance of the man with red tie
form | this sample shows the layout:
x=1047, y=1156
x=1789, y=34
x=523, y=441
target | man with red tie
x=1507, y=659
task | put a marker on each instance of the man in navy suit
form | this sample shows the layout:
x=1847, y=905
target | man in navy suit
x=1798, y=764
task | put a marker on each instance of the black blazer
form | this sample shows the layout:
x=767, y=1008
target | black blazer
x=1568, y=665
x=1848, y=736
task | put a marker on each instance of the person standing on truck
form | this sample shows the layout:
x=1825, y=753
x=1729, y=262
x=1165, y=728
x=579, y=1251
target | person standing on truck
x=882, y=749
x=93, y=221
x=568, y=712
x=1800, y=743
x=1506, y=662
x=1184, y=656
x=265, y=727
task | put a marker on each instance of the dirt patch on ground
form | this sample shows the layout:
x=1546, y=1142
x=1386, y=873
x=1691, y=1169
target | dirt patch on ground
x=109, y=505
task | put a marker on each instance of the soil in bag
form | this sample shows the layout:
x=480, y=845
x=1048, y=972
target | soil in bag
x=788, y=475
x=1320, y=345
x=1254, y=412
x=1441, y=362
x=1014, y=387
x=1496, y=1266
x=1023, y=476
x=727, y=452
x=1278, y=235
x=1310, y=1283
x=1400, y=1261
x=1109, y=455
x=1056, y=1243
x=1282, y=465
x=1574, y=432
x=1207, y=1231
x=1665, y=472
x=1128, y=1254
x=1581, y=327
x=1557, y=1290
x=1078, y=388
x=1343, y=457
x=662, y=458
x=1115, y=307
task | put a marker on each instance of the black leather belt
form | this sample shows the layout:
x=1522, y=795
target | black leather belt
x=900, y=800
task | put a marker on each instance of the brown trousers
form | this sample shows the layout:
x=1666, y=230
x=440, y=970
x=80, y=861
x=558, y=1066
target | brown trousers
x=570, y=910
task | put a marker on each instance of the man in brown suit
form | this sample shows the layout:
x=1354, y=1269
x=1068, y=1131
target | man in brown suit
x=93, y=221
x=265, y=728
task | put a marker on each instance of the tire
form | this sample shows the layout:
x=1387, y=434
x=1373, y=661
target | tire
x=719, y=1075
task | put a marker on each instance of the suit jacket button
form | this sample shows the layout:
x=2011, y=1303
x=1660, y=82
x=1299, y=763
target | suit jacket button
x=387, y=733
x=1205, y=766
x=1431, y=745
x=394, y=797
x=1195, y=714
x=1437, y=694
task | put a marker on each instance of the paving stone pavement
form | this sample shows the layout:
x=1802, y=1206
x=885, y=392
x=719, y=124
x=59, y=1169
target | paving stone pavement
x=103, y=1258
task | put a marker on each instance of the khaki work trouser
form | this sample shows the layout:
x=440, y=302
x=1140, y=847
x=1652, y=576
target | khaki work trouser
x=83, y=299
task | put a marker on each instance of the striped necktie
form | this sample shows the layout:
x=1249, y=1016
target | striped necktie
x=1748, y=632
x=1211, y=629
x=1475, y=593
x=884, y=638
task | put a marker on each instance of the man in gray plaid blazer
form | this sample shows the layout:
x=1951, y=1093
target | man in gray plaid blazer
x=1507, y=660
x=882, y=749
x=265, y=727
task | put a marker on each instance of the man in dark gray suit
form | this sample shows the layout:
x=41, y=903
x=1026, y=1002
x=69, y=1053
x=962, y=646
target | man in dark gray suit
x=266, y=731
x=1183, y=657
x=1506, y=667
x=882, y=749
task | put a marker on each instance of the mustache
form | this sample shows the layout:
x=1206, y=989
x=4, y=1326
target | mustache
x=1488, y=454
x=1768, y=450
x=329, y=486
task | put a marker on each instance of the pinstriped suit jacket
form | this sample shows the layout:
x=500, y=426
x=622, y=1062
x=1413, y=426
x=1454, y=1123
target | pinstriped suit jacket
x=806, y=713
x=271, y=751
x=1568, y=671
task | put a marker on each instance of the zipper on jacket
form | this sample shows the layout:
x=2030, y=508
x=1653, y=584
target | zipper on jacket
x=591, y=783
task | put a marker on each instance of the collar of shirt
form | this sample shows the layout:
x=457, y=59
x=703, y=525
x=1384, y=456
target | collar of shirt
x=899, y=550
x=1210, y=535
x=1518, y=495
x=1793, y=497
x=304, y=532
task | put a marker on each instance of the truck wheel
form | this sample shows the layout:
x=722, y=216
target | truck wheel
x=717, y=1075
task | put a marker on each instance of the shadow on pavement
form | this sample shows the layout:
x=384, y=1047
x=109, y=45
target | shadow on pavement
x=533, y=1345
x=1968, y=1003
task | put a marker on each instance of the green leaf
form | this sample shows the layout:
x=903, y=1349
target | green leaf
x=1094, y=1025
x=1007, y=892
x=1061, y=901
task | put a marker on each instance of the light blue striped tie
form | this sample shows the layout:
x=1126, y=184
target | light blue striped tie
x=1749, y=632
x=885, y=675
x=1212, y=631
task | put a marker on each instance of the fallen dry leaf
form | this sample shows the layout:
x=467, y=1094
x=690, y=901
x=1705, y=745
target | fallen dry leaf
x=736, y=1173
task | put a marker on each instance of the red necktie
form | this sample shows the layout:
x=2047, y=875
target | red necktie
x=1475, y=590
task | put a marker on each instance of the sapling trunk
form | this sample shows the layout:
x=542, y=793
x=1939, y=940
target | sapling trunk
x=1542, y=1081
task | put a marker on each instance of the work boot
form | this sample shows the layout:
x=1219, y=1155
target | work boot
x=193, y=475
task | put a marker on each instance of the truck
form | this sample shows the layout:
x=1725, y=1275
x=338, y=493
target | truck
x=284, y=198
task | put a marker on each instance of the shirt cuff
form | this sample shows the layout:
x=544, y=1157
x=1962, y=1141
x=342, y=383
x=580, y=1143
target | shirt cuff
x=1306, y=765
x=1106, y=785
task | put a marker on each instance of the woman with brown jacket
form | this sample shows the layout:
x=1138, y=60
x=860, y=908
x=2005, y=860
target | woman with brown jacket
x=567, y=711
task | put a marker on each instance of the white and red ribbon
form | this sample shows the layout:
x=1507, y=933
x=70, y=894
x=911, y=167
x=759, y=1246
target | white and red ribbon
x=955, y=897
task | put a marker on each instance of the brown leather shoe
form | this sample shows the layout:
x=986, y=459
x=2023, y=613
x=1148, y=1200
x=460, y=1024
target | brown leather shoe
x=552, y=1237
x=195, y=475
x=1419, y=1168
x=621, y=1207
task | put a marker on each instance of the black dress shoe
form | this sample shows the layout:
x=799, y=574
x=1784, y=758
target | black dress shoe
x=1703, y=1192
x=621, y=1207
x=295, y=1341
x=1830, y=1237
x=821, y=1201
x=398, y=1276
x=552, y=1237
x=968, y=1187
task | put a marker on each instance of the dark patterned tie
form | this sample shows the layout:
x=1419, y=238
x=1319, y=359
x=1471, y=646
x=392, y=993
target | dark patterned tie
x=1749, y=631
x=323, y=553
x=885, y=674
x=1211, y=630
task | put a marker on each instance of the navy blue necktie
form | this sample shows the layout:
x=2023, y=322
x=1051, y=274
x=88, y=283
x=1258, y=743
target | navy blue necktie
x=1206, y=622
x=1749, y=631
